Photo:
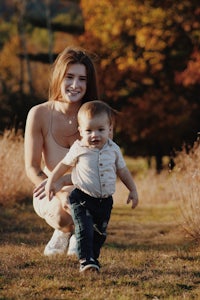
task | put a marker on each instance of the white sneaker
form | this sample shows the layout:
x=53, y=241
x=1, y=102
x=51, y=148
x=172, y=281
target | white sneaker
x=58, y=243
x=72, y=250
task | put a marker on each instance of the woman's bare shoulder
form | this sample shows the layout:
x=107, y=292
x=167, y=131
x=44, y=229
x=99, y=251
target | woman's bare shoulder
x=40, y=110
x=41, y=107
x=38, y=117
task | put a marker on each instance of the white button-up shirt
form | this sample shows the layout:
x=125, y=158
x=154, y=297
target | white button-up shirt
x=94, y=170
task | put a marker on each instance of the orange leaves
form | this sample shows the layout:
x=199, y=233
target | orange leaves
x=191, y=75
x=120, y=28
x=138, y=38
x=9, y=61
x=141, y=45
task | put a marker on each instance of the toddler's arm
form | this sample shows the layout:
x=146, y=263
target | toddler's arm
x=54, y=181
x=126, y=177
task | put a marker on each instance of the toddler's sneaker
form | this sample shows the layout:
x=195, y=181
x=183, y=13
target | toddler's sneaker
x=72, y=249
x=97, y=262
x=58, y=243
x=89, y=265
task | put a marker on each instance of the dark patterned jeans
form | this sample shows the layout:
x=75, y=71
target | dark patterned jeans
x=91, y=216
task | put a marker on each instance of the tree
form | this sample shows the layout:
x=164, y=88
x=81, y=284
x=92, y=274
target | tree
x=142, y=50
x=28, y=46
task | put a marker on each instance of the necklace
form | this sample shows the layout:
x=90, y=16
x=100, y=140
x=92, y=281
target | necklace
x=71, y=119
x=71, y=125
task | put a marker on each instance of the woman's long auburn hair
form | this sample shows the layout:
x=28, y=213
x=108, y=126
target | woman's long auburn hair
x=68, y=57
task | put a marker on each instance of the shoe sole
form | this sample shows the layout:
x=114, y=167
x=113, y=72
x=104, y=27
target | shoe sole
x=88, y=268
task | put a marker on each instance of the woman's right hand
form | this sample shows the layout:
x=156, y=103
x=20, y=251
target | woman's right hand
x=39, y=191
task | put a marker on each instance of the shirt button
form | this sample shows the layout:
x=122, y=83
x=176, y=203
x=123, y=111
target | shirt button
x=101, y=175
x=101, y=164
x=103, y=184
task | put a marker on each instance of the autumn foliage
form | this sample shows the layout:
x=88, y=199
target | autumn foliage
x=148, y=64
x=148, y=59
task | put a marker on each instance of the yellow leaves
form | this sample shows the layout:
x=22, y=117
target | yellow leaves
x=155, y=60
x=129, y=62
x=8, y=57
x=141, y=65
x=155, y=16
x=152, y=56
x=132, y=35
x=150, y=38
x=147, y=81
x=116, y=29
x=158, y=14
x=141, y=36
x=129, y=22
x=108, y=20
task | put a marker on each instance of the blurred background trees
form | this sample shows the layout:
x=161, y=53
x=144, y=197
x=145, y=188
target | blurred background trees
x=148, y=64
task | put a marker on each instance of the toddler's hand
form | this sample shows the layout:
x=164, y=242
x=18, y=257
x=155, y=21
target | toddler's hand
x=50, y=190
x=133, y=197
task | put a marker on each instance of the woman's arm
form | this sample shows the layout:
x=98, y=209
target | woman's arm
x=33, y=145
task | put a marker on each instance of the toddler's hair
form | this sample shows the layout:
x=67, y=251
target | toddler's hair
x=95, y=108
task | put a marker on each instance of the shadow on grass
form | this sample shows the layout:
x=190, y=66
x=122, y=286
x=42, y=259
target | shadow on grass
x=20, y=224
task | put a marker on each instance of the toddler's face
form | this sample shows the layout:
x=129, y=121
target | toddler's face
x=96, y=131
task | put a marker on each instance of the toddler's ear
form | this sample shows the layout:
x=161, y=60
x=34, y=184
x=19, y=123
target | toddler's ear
x=80, y=131
x=111, y=131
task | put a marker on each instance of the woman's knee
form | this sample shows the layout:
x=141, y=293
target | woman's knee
x=65, y=220
x=54, y=213
x=60, y=220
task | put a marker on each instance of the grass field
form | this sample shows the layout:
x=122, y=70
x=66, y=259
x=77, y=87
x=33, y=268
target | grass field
x=152, y=252
x=146, y=256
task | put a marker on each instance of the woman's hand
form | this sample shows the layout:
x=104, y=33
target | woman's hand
x=39, y=191
x=42, y=190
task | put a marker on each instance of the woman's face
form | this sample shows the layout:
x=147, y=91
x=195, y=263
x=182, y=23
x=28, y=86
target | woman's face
x=74, y=84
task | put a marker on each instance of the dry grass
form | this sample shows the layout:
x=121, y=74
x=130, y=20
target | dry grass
x=186, y=180
x=153, y=189
x=14, y=185
x=147, y=254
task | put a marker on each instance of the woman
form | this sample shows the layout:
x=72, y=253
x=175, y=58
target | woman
x=51, y=129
